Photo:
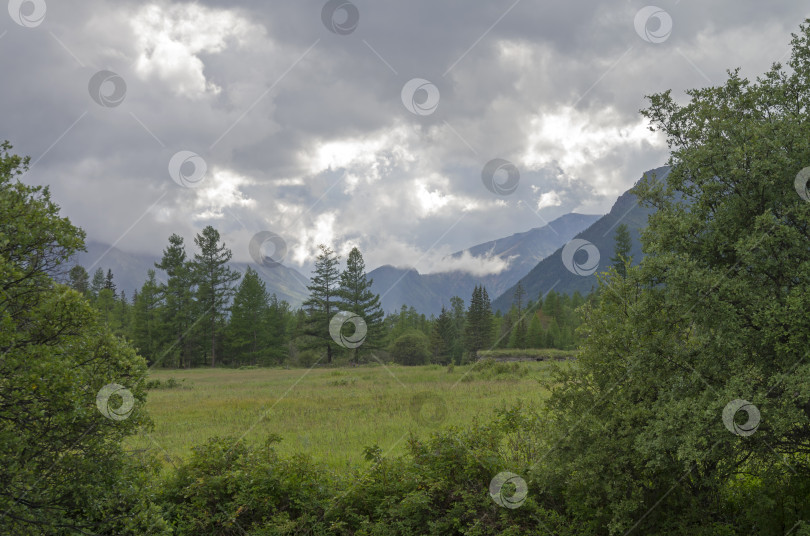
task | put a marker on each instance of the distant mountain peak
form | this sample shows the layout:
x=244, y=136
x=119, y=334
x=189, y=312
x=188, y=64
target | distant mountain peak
x=551, y=273
x=519, y=252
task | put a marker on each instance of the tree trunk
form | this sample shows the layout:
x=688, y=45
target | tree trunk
x=213, y=341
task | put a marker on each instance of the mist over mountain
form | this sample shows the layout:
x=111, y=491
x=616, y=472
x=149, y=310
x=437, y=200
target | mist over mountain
x=427, y=293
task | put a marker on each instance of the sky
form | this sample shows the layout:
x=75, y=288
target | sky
x=408, y=129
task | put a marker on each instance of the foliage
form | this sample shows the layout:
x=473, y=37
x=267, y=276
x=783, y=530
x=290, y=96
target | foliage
x=63, y=466
x=323, y=300
x=355, y=296
x=621, y=251
x=247, y=335
x=478, y=327
x=411, y=348
x=214, y=280
x=715, y=313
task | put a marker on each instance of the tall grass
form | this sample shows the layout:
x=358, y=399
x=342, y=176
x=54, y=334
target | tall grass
x=330, y=414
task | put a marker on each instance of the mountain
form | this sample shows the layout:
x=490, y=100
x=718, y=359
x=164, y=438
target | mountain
x=551, y=273
x=130, y=269
x=428, y=292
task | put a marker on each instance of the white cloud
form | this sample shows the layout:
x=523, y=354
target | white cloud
x=549, y=199
x=219, y=191
x=466, y=262
x=170, y=40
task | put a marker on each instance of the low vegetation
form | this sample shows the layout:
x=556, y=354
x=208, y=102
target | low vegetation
x=330, y=414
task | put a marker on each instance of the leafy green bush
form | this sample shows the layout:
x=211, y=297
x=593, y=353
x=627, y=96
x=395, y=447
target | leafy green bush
x=411, y=348
x=169, y=383
x=63, y=467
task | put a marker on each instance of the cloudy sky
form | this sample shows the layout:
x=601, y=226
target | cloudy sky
x=364, y=123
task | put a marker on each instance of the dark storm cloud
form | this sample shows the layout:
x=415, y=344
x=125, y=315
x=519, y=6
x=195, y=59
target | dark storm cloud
x=304, y=132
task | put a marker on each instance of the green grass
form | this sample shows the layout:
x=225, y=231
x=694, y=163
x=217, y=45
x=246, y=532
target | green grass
x=328, y=413
x=531, y=353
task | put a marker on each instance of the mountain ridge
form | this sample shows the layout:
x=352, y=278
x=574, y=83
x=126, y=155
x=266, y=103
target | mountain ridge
x=552, y=273
x=427, y=293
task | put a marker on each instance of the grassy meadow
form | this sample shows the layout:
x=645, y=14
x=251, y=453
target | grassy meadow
x=330, y=413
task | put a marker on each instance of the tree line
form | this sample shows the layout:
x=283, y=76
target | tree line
x=196, y=310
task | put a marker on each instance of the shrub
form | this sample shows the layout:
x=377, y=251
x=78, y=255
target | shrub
x=411, y=348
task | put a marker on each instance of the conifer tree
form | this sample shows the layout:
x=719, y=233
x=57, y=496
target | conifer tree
x=478, y=331
x=355, y=295
x=279, y=322
x=534, y=334
x=519, y=339
x=322, y=303
x=97, y=283
x=179, y=312
x=147, y=318
x=459, y=317
x=247, y=336
x=108, y=282
x=442, y=337
x=214, y=279
x=621, y=251
x=79, y=279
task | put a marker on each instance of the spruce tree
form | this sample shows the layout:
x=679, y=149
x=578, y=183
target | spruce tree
x=534, y=336
x=108, y=282
x=279, y=321
x=123, y=316
x=355, y=295
x=322, y=303
x=486, y=318
x=247, y=333
x=105, y=304
x=214, y=279
x=97, y=283
x=79, y=279
x=459, y=317
x=478, y=330
x=179, y=312
x=442, y=337
x=147, y=318
x=621, y=250
x=519, y=339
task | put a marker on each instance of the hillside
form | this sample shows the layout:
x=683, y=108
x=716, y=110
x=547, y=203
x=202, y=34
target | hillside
x=551, y=273
x=428, y=292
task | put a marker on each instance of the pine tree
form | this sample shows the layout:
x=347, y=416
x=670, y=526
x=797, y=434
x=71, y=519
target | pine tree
x=442, y=337
x=105, y=304
x=147, y=319
x=179, y=310
x=97, y=284
x=519, y=339
x=459, y=317
x=486, y=318
x=123, y=316
x=79, y=280
x=279, y=322
x=355, y=296
x=108, y=282
x=478, y=331
x=247, y=333
x=534, y=335
x=506, y=330
x=214, y=280
x=621, y=251
x=322, y=303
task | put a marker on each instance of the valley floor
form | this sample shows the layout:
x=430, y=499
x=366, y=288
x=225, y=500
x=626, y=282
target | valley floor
x=330, y=413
